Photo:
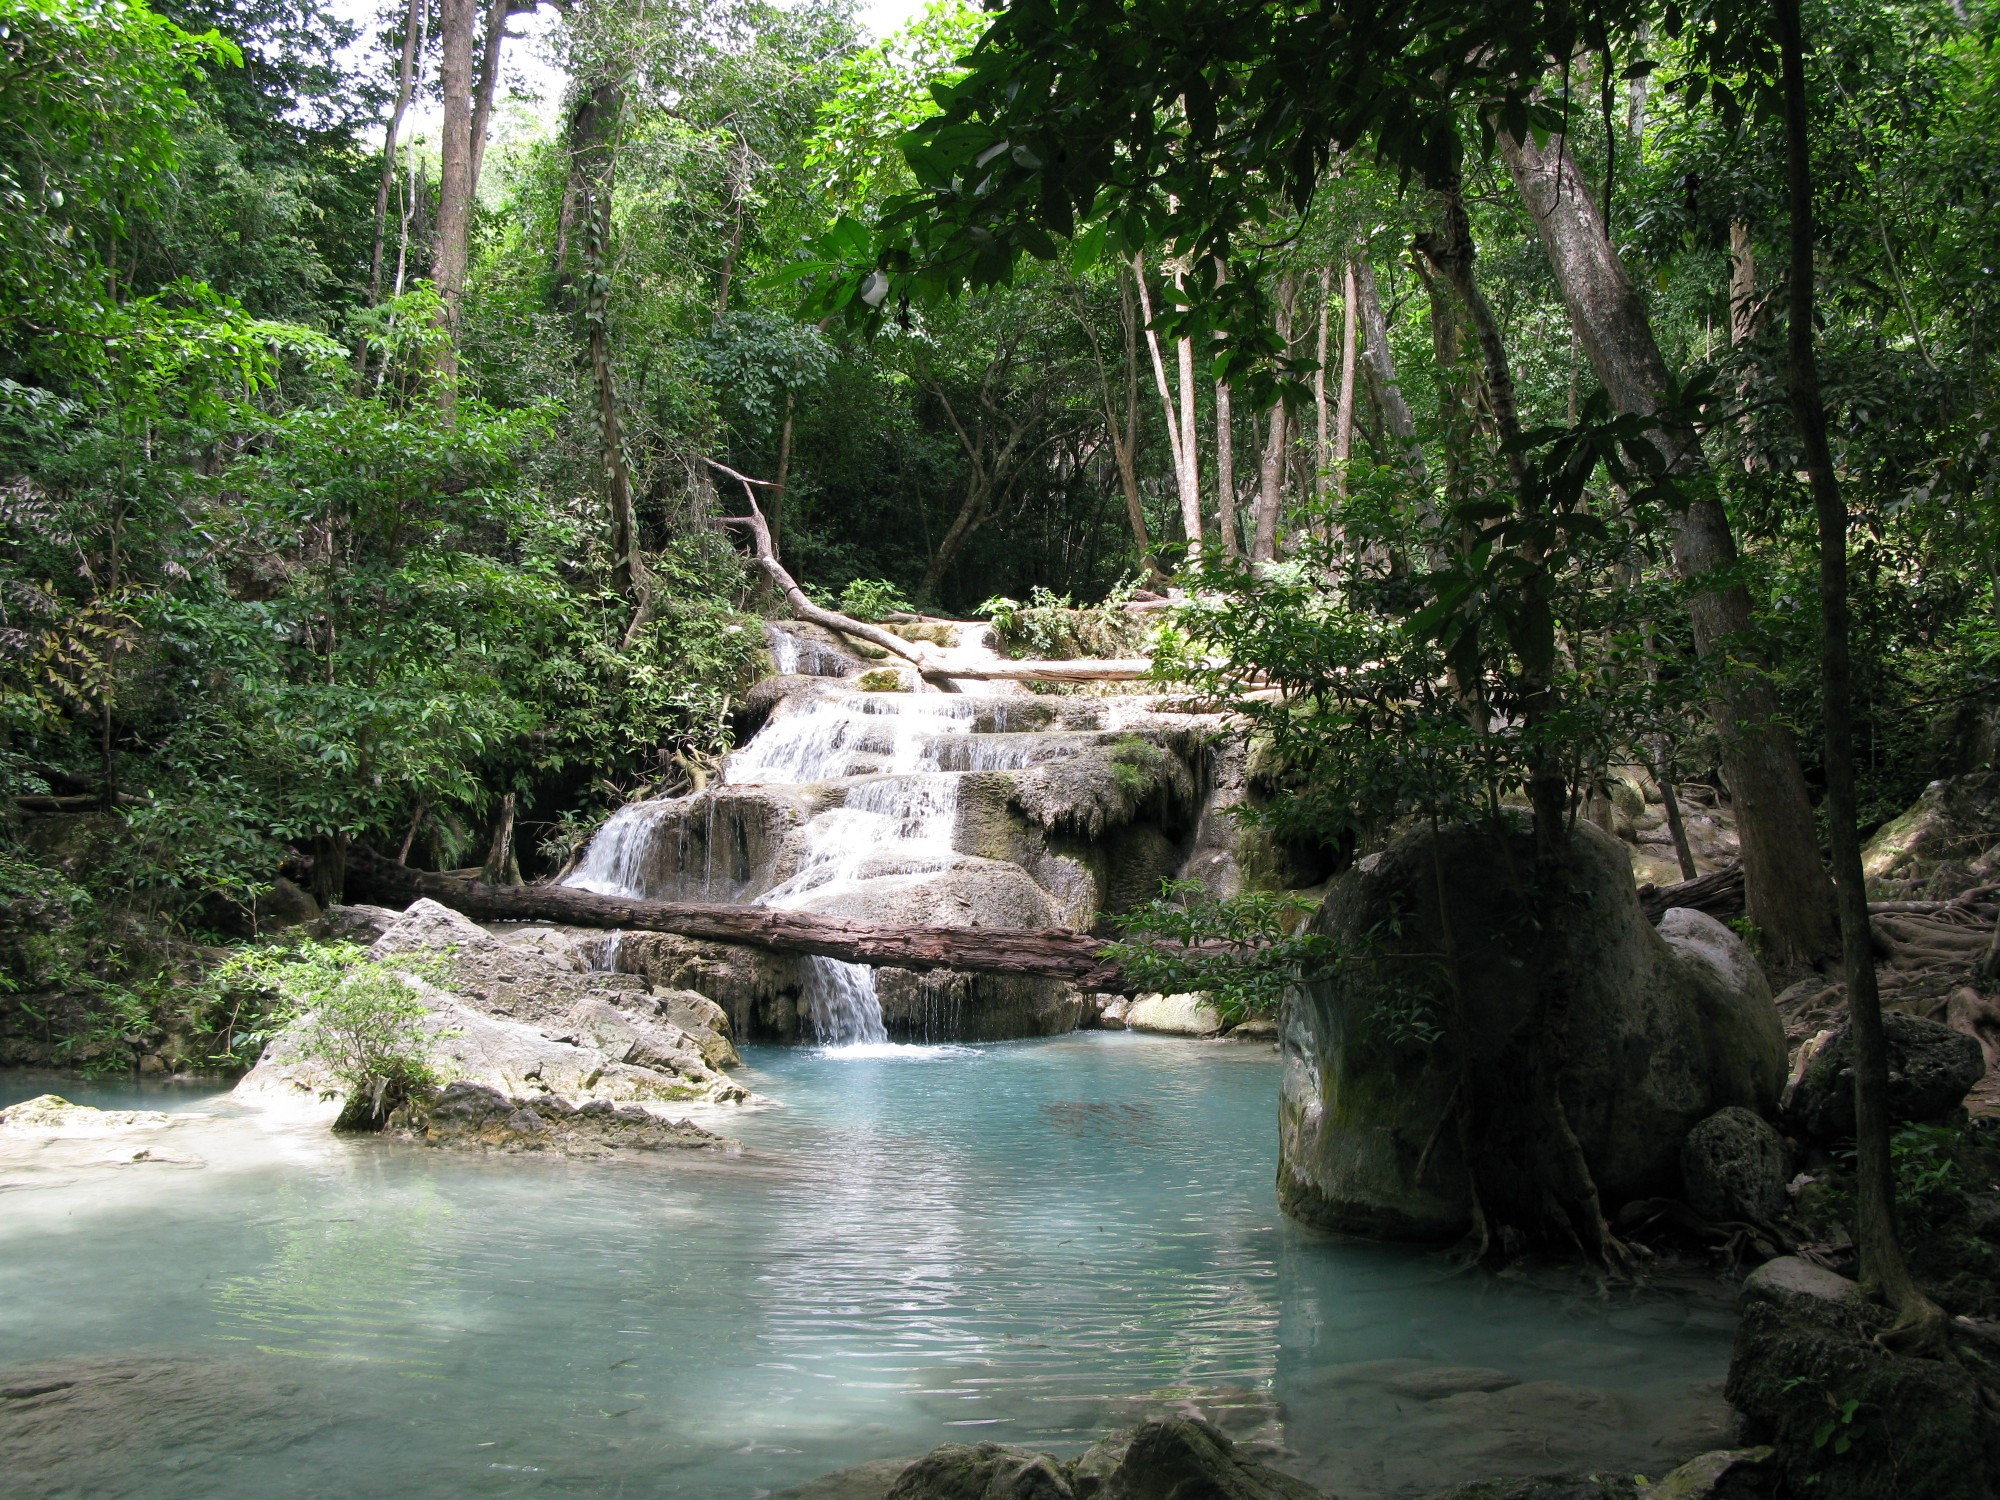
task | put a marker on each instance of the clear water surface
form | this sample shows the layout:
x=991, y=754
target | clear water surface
x=1032, y=1242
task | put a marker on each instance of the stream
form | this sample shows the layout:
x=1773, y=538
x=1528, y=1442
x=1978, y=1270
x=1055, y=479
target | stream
x=1032, y=1242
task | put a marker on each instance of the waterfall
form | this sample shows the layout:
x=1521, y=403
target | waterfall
x=888, y=765
x=842, y=1005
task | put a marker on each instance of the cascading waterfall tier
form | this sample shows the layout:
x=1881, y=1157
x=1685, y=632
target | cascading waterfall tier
x=894, y=761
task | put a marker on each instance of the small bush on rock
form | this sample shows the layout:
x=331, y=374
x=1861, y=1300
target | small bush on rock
x=360, y=1017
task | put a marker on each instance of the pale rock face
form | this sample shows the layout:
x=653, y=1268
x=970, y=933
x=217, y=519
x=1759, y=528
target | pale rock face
x=1665, y=1029
x=51, y=1115
x=1175, y=1015
x=524, y=1020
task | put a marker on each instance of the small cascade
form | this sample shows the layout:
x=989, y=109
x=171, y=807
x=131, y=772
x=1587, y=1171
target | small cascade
x=800, y=656
x=842, y=1005
x=889, y=763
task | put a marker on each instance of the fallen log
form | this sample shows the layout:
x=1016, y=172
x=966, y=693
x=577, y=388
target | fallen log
x=1719, y=894
x=1057, y=953
x=1089, y=669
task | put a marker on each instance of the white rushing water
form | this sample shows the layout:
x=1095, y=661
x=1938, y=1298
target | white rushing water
x=899, y=756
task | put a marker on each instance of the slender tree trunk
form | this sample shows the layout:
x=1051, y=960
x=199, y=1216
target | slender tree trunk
x=1343, y=431
x=1191, y=449
x=498, y=13
x=593, y=130
x=453, y=231
x=973, y=511
x=1225, y=469
x=1175, y=446
x=1884, y=1271
x=1789, y=896
x=1379, y=367
x=1271, y=471
x=1322, y=414
x=405, y=85
x=501, y=867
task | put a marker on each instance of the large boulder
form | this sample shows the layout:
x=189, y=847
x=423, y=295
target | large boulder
x=1662, y=1031
x=1851, y=1420
x=1931, y=1069
x=1174, y=1015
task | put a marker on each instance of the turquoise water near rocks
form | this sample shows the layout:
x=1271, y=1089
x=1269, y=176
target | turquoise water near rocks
x=1031, y=1242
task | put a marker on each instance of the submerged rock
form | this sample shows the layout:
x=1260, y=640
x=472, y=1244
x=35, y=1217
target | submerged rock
x=1173, y=1458
x=51, y=1115
x=1664, y=1028
x=1931, y=1069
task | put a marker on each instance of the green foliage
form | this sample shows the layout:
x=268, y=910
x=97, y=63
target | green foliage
x=1052, y=627
x=358, y=1016
x=873, y=599
x=1243, y=951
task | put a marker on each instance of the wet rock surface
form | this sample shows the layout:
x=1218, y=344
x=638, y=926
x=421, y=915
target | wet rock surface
x=470, y=1115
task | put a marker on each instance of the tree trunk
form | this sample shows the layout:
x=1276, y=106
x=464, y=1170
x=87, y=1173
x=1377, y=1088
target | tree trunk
x=501, y=866
x=1322, y=412
x=1343, y=431
x=1379, y=368
x=593, y=130
x=454, y=213
x=1271, y=471
x=405, y=84
x=1191, y=448
x=498, y=13
x=1884, y=1271
x=1789, y=896
x=1225, y=470
x=1055, y=953
x=1184, y=482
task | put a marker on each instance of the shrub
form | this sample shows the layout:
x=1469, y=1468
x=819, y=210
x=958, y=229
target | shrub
x=360, y=1017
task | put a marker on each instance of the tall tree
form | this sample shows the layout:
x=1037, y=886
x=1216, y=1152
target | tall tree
x=1785, y=884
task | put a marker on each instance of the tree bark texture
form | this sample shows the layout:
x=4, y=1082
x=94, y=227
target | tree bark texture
x=1343, y=427
x=1789, y=896
x=1884, y=1271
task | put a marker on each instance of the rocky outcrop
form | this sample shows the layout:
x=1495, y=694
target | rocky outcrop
x=524, y=1019
x=472, y=1115
x=1174, y=1015
x=1664, y=1029
x=51, y=1115
x=1849, y=1419
x=1949, y=839
x=1175, y=1458
x=1931, y=1069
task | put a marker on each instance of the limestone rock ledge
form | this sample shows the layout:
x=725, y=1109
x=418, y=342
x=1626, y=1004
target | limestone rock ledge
x=522, y=1019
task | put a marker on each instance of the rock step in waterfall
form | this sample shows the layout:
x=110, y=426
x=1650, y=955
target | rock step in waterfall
x=986, y=807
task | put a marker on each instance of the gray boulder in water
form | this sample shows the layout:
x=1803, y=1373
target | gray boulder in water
x=1664, y=1028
